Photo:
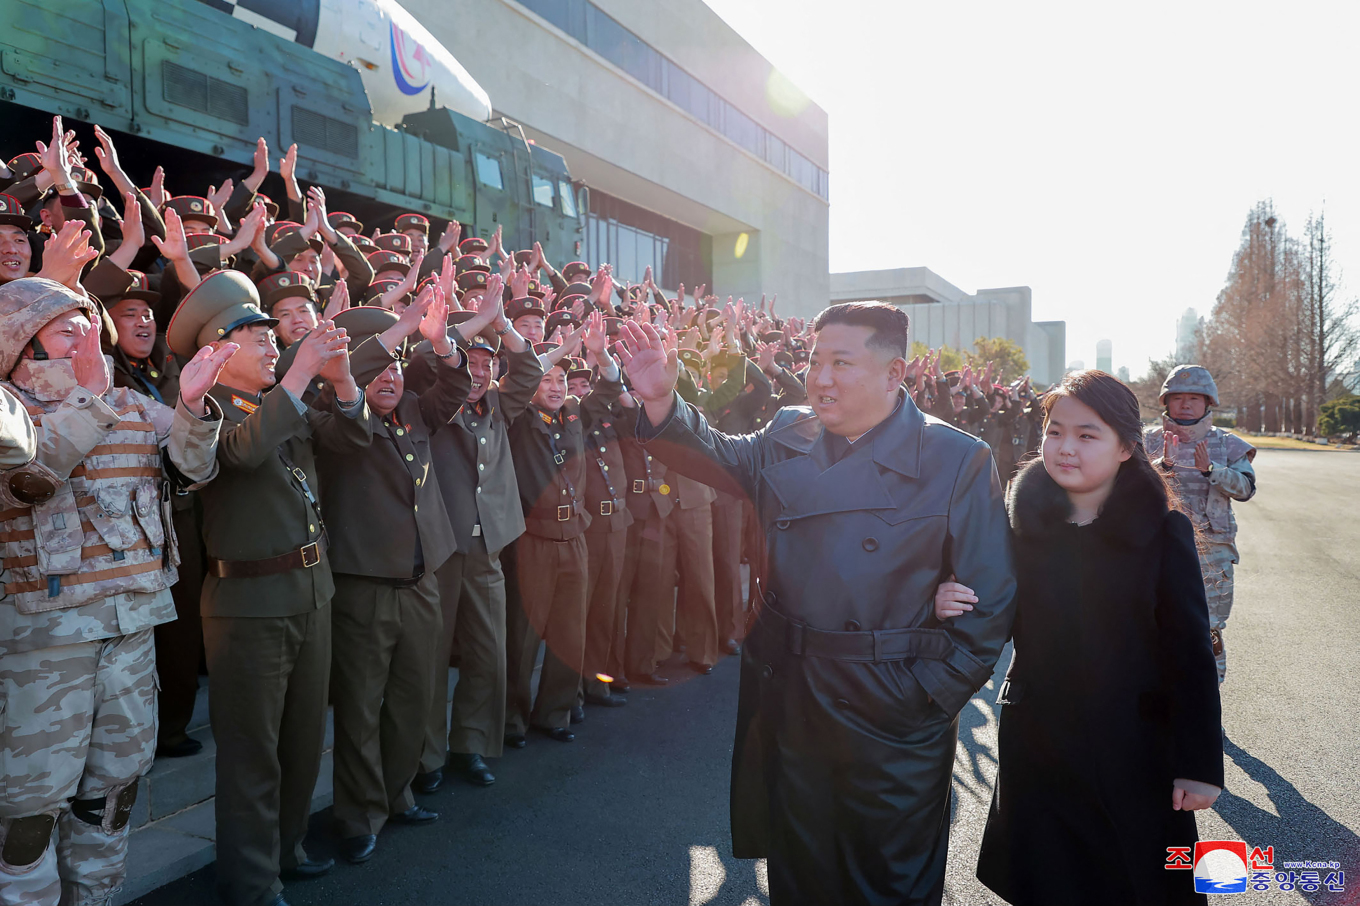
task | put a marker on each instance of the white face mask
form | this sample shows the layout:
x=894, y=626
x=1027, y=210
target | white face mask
x=50, y=380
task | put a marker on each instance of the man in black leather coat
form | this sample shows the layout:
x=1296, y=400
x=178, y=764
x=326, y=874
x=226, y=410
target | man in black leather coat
x=847, y=719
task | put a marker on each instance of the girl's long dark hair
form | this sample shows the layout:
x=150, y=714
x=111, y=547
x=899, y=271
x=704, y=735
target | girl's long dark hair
x=1117, y=407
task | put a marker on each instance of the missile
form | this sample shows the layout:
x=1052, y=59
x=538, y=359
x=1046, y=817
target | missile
x=400, y=62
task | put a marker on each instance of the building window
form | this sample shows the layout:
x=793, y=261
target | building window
x=543, y=190
x=633, y=239
x=603, y=34
x=488, y=170
x=567, y=192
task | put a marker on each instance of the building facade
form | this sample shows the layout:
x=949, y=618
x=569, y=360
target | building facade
x=700, y=159
x=941, y=314
x=1105, y=356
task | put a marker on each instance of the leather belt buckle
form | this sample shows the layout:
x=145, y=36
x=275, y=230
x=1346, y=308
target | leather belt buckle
x=315, y=555
x=639, y=485
x=606, y=507
x=299, y=475
x=564, y=512
x=559, y=458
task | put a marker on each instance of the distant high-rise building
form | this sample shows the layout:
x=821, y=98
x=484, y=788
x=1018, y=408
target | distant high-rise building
x=1076, y=365
x=1105, y=356
x=1187, y=338
x=1123, y=373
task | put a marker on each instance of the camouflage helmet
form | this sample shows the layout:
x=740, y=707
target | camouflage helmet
x=26, y=307
x=1190, y=379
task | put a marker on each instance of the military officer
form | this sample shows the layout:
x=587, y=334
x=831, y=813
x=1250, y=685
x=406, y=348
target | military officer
x=477, y=478
x=548, y=442
x=89, y=562
x=290, y=298
x=1211, y=468
x=606, y=494
x=266, y=596
x=391, y=533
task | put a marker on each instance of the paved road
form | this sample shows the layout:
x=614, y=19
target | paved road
x=636, y=810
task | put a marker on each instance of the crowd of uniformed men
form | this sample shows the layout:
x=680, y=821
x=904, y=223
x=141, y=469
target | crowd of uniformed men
x=378, y=453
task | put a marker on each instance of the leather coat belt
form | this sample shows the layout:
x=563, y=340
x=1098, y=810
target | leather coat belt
x=865, y=646
x=303, y=558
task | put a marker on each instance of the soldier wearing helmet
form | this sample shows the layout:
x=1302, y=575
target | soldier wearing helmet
x=89, y=558
x=1211, y=468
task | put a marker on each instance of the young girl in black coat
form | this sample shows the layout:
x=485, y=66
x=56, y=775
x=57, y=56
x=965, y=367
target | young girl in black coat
x=1110, y=734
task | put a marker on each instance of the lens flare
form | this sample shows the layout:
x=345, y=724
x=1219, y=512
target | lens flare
x=743, y=241
x=604, y=677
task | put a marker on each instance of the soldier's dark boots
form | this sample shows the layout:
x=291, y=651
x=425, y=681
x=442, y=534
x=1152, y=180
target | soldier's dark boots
x=357, y=850
x=472, y=767
x=416, y=814
x=701, y=669
x=557, y=734
x=606, y=701
x=305, y=871
x=732, y=647
x=578, y=714
x=620, y=685
x=649, y=679
x=428, y=782
x=185, y=747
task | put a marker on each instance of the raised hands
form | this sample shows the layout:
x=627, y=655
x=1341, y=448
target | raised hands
x=88, y=362
x=260, y=165
x=134, y=236
x=448, y=241
x=56, y=156
x=156, y=193
x=109, y=163
x=519, y=283
x=338, y=302
x=652, y=367
x=197, y=377
x=434, y=323
x=66, y=253
x=288, y=170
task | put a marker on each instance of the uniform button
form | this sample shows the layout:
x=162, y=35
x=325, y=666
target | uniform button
x=767, y=671
x=481, y=467
x=782, y=524
x=474, y=424
x=410, y=456
x=416, y=508
x=606, y=468
x=417, y=482
x=310, y=527
x=842, y=704
x=602, y=450
x=649, y=458
x=564, y=490
x=557, y=436
x=869, y=544
x=481, y=440
x=479, y=490
x=400, y=432
x=852, y=626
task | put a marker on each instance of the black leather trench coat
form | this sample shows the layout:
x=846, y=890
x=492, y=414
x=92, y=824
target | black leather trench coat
x=850, y=689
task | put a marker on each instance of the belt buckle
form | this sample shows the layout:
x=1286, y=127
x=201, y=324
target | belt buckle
x=639, y=485
x=299, y=475
x=564, y=512
x=606, y=507
x=559, y=458
x=315, y=553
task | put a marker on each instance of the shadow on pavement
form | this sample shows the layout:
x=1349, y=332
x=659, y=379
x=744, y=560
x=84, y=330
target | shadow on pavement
x=1302, y=830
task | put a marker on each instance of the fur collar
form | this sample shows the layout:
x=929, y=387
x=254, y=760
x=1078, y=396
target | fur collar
x=1132, y=515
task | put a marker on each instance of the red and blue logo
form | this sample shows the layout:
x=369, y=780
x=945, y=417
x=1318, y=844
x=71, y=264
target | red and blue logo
x=410, y=62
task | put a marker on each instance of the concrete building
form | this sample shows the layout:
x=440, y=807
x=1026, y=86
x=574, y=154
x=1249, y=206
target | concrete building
x=1105, y=356
x=943, y=315
x=701, y=160
x=1187, y=338
x=1123, y=374
x=1076, y=365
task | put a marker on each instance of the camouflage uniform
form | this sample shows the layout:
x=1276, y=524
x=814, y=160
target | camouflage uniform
x=88, y=568
x=1207, y=498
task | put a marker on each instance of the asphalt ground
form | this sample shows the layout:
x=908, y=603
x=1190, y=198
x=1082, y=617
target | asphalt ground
x=635, y=811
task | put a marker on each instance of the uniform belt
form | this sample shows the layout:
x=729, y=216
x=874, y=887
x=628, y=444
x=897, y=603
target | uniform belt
x=563, y=513
x=870, y=647
x=610, y=507
x=303, y=558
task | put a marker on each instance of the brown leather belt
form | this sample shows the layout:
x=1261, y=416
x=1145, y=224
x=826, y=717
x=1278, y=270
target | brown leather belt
x=303, y=558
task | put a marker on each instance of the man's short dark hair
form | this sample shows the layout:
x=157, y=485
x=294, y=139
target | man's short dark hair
x=888, y=323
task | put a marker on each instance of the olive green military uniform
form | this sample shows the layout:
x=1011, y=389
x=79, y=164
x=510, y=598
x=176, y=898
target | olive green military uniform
x=390, y=532
x=476, y=475
x=606, y=546
x=88, y=565
x=552, y=559
x=266, y=619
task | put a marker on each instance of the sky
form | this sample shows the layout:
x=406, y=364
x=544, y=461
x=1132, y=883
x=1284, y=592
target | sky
x=1105, y=155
